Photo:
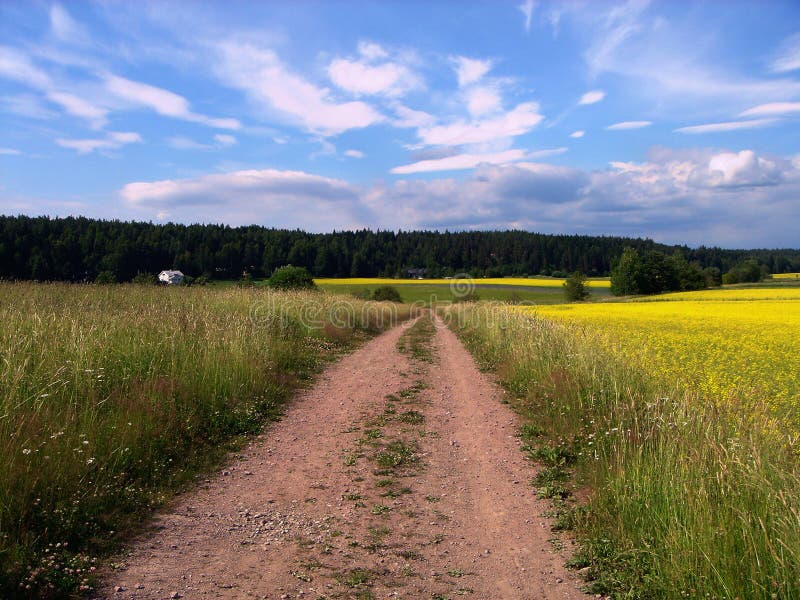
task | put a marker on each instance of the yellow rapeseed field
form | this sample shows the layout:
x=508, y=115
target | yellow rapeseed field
x=520, y=281
x=741, y=344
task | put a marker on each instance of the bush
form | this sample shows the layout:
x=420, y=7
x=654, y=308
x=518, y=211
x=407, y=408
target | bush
x=291, y=278
x=145, y=278
x=575, y=287
x=386, y=293
x=105, y=277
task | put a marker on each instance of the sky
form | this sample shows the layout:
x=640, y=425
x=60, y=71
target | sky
x=678, y=121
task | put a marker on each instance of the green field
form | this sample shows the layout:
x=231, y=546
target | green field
x=421, y=292
x=112, y=397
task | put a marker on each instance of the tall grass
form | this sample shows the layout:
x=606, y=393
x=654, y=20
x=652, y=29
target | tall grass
x=111, y=396
x=688, y=498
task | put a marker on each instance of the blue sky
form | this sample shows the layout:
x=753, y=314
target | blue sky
x=673, y=120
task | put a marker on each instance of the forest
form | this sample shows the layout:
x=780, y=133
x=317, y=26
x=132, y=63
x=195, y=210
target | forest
x=80, y=249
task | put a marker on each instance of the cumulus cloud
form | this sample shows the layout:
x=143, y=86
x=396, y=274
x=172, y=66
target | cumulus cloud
x=112, y=141
x=739, y=199
x=263, y=76
x=726, y=126
x=772, y=109
x=624, y=125
x=372, y=73
x=592, y=97
x=279, y=198
x=482, y=100
x=470, y=70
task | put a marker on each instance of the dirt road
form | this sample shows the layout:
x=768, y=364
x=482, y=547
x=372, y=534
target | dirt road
x=398, y=475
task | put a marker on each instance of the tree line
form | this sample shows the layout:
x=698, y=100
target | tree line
x=81, y=249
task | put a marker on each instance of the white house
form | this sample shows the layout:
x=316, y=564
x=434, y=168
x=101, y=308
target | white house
x=171, y=277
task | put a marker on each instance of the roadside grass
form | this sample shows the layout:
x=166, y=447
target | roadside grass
x=683, y=497
x=113, y=397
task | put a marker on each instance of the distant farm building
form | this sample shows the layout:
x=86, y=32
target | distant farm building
x=171, y=277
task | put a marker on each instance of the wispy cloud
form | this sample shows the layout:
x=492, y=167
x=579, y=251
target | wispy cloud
x=788, y=56
x=10, y=151
x=113, y=140
x=519, y=120
x=726, y=126
x=592, y=97
x=577, y=134
x=164, y=102
x=79, y=107
x=527, y=10
x=354, y=153
x=224, y=139
x=262, y=76
x=459, y=162
x=772, y=109
x=624, y=125
x=65, y=27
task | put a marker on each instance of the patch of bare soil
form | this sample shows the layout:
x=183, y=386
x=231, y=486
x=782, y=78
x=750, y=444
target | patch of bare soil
x=398, y=475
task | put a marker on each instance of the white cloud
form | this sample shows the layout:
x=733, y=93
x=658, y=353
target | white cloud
x=772, y=109
x=517, y=121
x=181, y=142
x=727, y=126
x=65, y=27
x=527, y=10
x=262, y=75
x=592, y=97
x=17, y=66
x=113, y=140
x=357, y=77
x=223, y=139
x=162, y=101
x=354, y=153
x=410, y=118
x=470, y=70
x=577, y=134
x=788, y=58
x=80, y=108
x=657, y=58
x=629, y=125
x=240, y=197
x=10, y=151
x=482, y=100
x=371, y=51
x=459, y=162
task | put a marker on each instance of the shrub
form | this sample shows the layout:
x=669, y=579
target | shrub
x=386, y=293
x=575, y=287
x=291, y=278
x=145, y=278
x=105, y=277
